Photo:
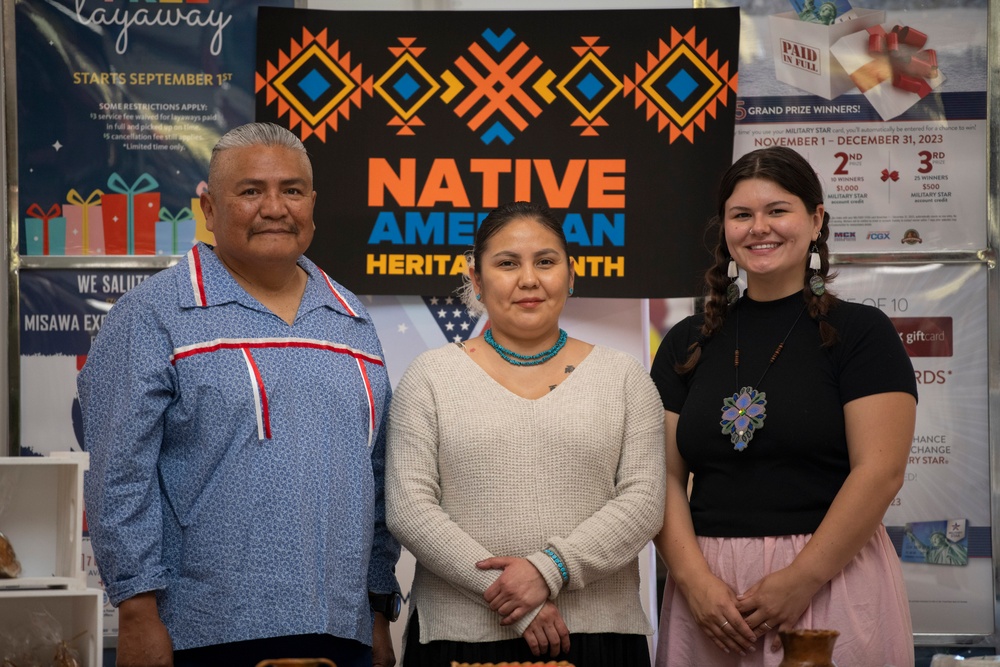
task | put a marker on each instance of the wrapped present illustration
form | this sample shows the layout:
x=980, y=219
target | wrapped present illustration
x=890, y=67
x=84, y=223
x=175, y=233
x=130, y=216
x=45, y=231
x=201, y=234
x=802, y=50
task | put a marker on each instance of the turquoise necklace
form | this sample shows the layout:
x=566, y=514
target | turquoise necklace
x=512, y=357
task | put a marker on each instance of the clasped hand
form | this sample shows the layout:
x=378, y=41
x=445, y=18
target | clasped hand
x=778, y=600
x=735, y=622
x=518, y=590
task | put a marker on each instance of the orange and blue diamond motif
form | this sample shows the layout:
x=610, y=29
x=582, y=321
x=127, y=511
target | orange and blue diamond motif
x=681, y=84
x=498, y=98
x=406, y=86
x=314, y=85
x=590, y=86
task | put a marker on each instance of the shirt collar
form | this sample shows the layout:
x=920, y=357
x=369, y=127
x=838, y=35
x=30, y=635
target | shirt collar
x=206, y=282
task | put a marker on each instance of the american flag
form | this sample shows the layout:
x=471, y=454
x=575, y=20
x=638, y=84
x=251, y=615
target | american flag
x=452, y=317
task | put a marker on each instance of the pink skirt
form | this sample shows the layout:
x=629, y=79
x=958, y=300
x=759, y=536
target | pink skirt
x=866, y=602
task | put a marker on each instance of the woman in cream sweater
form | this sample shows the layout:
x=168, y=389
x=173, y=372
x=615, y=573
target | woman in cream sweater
x=525, y=472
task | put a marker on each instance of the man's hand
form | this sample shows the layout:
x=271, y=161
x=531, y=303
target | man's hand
x=383, y=654
x=143, y=640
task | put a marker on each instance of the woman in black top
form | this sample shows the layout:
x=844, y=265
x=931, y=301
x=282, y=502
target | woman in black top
x=794, y=412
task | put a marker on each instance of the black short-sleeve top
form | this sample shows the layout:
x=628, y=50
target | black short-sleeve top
x=785, y=479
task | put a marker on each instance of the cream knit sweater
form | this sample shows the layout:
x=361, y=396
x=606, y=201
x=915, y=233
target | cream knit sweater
x=475, y=471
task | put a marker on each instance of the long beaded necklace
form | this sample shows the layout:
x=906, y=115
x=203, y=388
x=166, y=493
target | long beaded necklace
x=743, y=413
x=512, y=357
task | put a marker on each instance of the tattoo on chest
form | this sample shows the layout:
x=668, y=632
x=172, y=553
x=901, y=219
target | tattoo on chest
x=568, y=370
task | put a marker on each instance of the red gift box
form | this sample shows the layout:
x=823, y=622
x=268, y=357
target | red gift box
x=130, y=216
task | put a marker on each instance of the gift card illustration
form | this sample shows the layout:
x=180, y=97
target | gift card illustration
x=937, y=542
x=826, y=12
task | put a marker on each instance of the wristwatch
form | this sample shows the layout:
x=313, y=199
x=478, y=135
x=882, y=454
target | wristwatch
x=387, y=604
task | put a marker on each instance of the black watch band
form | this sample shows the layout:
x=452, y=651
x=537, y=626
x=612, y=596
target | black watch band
x=387, y=604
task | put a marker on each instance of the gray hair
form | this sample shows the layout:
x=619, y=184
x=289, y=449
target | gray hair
x=255, y=134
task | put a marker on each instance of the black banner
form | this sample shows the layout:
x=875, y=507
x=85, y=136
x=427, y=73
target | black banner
x=420, y=123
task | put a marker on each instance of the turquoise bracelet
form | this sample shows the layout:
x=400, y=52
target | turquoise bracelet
x=558, y=561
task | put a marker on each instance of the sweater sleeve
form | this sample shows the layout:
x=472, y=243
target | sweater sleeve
x=607, y=540
x=413, y=494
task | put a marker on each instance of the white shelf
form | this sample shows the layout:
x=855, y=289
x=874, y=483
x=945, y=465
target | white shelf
x=79, y=613
x=41, y=515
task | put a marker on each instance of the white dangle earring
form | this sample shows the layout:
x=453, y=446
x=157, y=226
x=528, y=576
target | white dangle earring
x=732, y=290
x=817, y=285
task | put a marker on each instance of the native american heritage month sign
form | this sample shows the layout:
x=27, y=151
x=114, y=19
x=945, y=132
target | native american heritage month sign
x=420, y=123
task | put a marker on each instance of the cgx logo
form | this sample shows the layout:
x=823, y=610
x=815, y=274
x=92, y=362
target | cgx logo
x=878, y=236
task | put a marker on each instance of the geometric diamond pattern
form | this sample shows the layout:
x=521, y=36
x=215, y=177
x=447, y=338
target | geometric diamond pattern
x=681, y=85
x=314, y=84
x=498, y=85
x=406, y=86
x=590, y=85
x=498, y=92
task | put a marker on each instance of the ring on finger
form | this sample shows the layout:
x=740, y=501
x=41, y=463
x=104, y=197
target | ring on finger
x=722, y=627
x=767, y=626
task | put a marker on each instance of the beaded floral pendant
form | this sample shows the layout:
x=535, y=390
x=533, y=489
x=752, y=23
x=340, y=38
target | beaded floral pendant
x=742, y=415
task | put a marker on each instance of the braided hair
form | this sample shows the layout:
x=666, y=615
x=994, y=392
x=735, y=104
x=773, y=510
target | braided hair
x=790, y=171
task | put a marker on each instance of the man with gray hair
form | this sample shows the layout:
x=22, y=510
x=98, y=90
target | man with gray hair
x=234, y=409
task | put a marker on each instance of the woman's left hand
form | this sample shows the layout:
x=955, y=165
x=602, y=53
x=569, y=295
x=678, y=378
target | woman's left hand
x=775, y=602
x=548, y=632
x=519, y=589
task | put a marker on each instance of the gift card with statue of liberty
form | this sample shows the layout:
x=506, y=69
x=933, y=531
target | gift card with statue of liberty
x=937, y=542
x=825, y=12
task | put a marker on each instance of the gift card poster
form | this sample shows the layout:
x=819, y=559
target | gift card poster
x=119, y=104
x=420, y=123
x=939, y=314
x=896, y=139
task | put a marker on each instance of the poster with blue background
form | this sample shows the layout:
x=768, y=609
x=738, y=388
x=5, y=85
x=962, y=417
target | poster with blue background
x=118, y=106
